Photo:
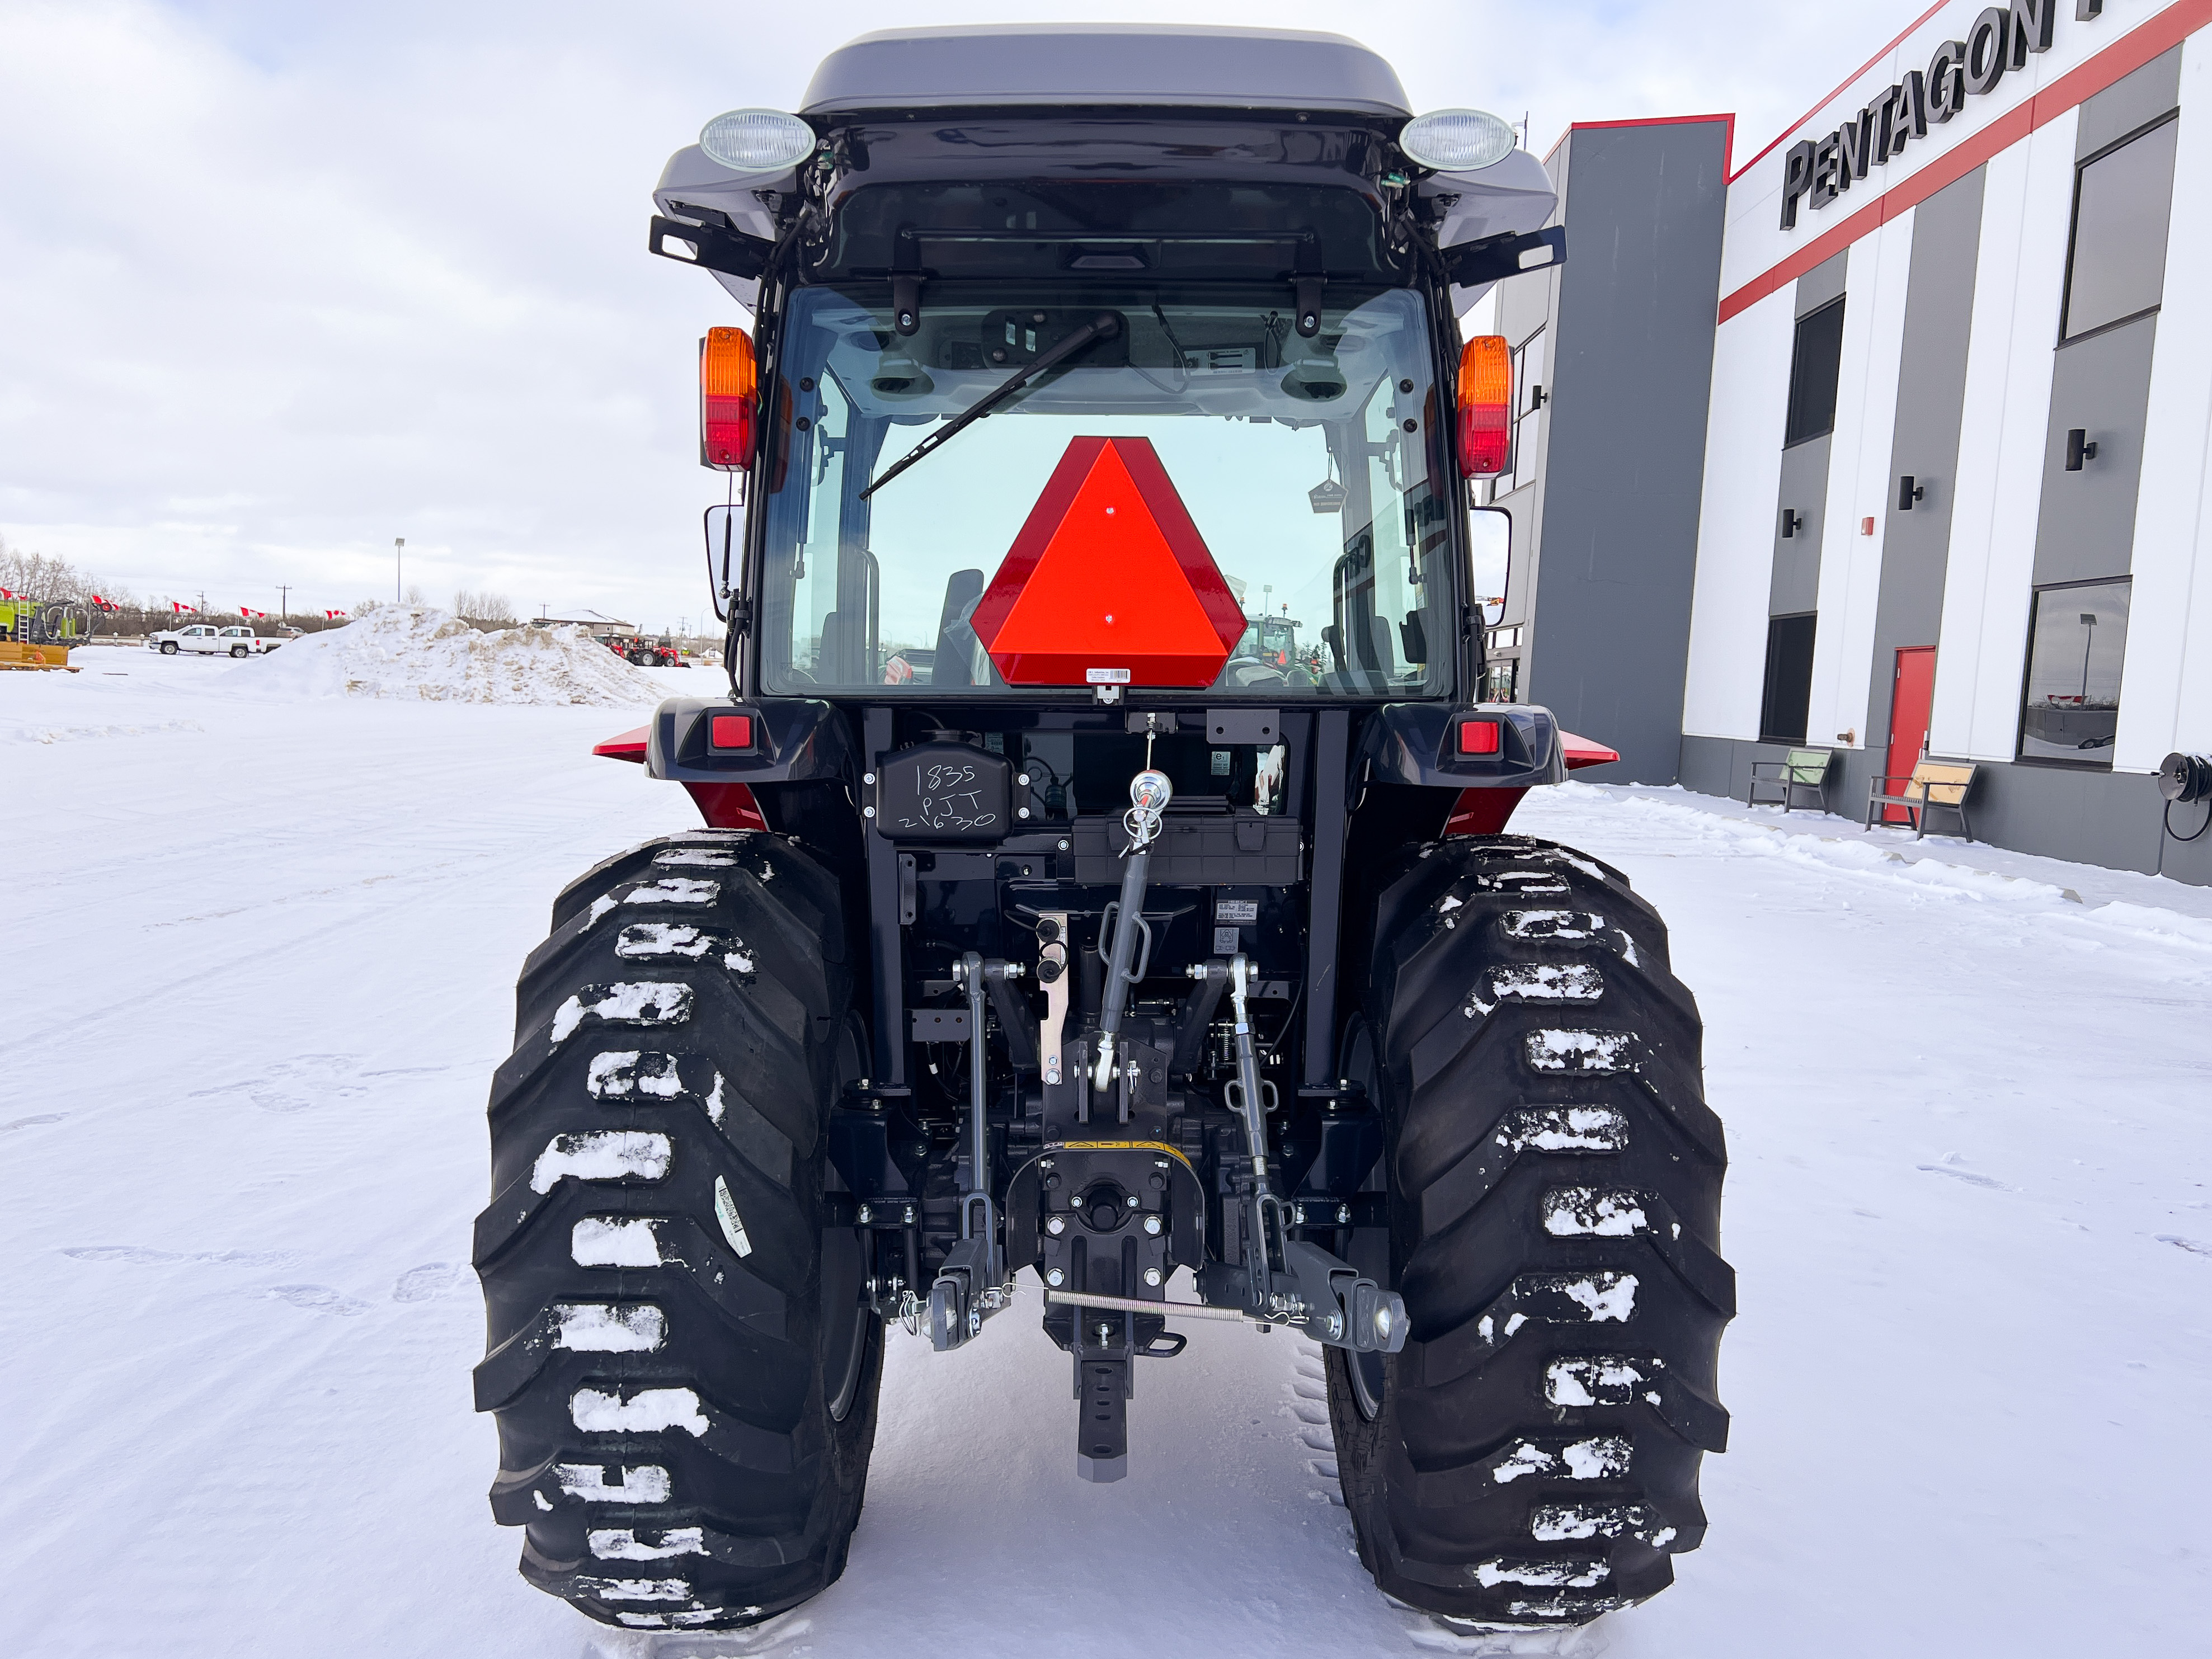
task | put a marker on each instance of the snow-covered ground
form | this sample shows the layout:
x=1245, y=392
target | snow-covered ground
x=257, y=976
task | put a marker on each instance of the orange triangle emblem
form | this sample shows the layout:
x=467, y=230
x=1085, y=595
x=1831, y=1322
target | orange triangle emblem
x=1109, y=582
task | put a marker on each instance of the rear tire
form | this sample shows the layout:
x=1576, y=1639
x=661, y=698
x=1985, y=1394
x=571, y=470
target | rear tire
x=683, y=1371
x=1531, y=1458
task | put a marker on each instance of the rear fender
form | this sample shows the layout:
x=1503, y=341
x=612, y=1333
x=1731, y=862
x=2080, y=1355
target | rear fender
x=1421, y=743
x=795, y=740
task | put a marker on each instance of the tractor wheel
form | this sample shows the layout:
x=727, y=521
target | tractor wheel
x=1554, y=1179
x=684, y=1369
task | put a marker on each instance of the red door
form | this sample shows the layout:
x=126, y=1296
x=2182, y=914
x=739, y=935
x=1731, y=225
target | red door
x=1910, y=695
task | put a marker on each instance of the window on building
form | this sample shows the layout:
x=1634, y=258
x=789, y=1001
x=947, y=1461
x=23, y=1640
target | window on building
x=1789, y=678
x=1814, y=365
x=1530, y=395
x=2077, y=644
x=2116, y=263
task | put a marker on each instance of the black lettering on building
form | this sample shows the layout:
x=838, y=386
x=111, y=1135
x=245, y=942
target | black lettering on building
x=1826, y=157
x=1913, y=110
x=1856, y=135
x=1947, y=80
x=1989, y=43
x=1820, y=170
x=1796, y=180
x=2032, y=21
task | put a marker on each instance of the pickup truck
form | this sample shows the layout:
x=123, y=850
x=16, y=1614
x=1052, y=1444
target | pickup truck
x=210, y=640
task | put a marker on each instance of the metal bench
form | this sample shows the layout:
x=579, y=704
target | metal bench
x=1801, y=768
x=1933, y=786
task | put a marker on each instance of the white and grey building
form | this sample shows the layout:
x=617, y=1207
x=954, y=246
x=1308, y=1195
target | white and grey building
x=1949, y=497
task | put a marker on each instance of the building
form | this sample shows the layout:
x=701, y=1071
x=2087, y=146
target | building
x=1952, y=488
x=597, y=623
x=1613, y=356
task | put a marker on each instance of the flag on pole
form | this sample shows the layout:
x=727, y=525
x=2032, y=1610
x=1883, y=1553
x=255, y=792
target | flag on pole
x=179, y=606
x=243, y=611
x=334, y=613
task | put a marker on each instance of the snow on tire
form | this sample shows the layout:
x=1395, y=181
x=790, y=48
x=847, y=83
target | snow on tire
x=1531, y=1458
x=683, y=1372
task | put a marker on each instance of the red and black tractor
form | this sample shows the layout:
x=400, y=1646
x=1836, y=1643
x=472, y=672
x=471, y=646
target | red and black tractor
x=1061, y=936
x=662, y=653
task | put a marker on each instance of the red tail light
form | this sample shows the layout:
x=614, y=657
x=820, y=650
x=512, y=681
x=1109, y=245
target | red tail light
x=1477, y=737
x=729, y=399
x=1486, y=406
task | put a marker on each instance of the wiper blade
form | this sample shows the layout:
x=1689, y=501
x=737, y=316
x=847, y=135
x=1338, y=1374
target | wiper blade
x=1104, y=326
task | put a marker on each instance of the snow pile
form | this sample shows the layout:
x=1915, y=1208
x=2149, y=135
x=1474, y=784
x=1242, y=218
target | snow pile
x=420, y=652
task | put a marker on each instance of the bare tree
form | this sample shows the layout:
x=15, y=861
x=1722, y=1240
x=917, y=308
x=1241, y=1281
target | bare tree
x=485, y=607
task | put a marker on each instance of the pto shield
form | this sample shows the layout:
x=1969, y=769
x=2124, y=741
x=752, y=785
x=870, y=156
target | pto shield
x=1109, y=582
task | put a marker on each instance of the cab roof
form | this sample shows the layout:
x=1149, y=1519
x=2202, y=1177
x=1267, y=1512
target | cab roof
x=1152, y=65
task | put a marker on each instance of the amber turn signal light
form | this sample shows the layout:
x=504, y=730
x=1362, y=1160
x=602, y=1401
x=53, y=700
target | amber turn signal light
x=729, y=399
x=1485, y=405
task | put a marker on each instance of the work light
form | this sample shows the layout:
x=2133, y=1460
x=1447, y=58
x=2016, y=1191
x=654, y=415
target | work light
x=1451, y=140
x=763, y=140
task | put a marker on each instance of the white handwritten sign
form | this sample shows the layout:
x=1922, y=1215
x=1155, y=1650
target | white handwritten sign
x=949, y=797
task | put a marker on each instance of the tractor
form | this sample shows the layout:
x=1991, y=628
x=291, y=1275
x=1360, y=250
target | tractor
x=1044, y=960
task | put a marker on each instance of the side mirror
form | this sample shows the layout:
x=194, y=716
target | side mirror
x=1490, y=536
x=722, y=523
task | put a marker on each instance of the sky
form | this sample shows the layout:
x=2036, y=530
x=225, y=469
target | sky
x=281, y=280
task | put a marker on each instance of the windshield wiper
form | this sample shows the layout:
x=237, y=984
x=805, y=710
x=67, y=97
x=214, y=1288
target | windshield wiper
x=1104, y=326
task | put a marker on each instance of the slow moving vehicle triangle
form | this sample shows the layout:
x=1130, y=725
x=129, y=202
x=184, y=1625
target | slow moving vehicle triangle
x=1109, y=582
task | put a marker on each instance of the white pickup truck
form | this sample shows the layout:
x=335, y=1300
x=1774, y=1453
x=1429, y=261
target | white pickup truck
x=211, y=642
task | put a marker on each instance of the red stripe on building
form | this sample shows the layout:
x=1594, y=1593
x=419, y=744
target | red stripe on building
x=1846, y=81
x=2123, y=58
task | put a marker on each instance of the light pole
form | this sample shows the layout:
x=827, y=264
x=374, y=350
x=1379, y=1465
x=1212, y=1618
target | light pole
x=2088, y=621
x=284, y=603
x=398, y=551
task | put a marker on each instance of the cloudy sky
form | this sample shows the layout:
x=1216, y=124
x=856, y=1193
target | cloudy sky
x=281, y=280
